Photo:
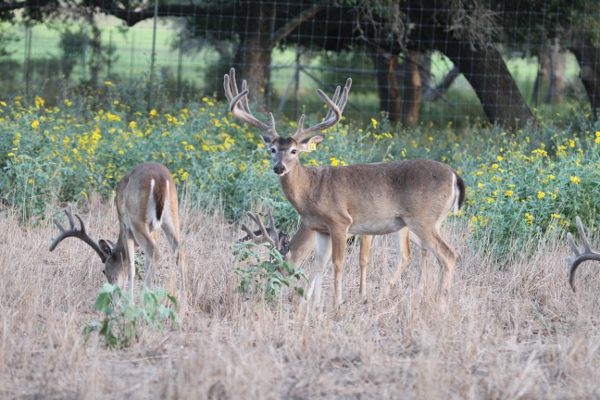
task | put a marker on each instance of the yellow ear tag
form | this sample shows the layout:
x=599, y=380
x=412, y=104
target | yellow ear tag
x=312, y=146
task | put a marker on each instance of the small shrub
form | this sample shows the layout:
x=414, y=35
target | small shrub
x=124, y=322
x=266, y=277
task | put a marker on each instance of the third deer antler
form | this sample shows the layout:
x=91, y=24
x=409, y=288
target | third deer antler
x=587, y=255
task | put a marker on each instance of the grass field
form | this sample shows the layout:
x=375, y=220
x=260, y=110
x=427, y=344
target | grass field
x=510, y=333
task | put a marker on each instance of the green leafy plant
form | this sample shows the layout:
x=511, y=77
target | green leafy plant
x=124, y=322
x=266, y=276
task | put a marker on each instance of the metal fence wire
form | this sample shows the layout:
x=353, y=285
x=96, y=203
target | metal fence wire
x=412, y=62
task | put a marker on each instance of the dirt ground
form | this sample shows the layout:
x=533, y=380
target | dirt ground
x=507, y=333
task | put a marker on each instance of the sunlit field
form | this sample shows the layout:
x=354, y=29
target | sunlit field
x=513, y=328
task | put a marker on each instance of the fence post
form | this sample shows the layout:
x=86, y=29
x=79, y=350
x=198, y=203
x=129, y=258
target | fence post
x=153, y=56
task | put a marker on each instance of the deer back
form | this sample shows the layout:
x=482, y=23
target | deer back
x=374, y=198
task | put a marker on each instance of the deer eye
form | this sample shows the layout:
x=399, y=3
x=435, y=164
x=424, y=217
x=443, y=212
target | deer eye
x=294, y=151
x=273, y=150
x=104, y=272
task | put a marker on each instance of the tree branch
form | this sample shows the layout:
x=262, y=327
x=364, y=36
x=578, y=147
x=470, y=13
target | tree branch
x=132, y=17
x=4, y=7
x=285, y=30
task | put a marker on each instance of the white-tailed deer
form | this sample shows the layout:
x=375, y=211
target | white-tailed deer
x=360, y=199
x=587, y=255
x=304, y=241
x=146, y=201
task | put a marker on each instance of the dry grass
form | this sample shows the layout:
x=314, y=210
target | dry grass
x=512, y=333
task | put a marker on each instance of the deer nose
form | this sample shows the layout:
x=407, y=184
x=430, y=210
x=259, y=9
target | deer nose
x=279, y=169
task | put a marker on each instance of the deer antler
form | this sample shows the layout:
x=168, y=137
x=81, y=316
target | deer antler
x=262, y=235
x=334, y=115
x=75, y=232
x=238, y=105
x=580, y=257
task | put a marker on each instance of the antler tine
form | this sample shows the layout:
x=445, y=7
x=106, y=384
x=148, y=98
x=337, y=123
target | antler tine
x=238, y=105
x=250, y=235
x=263, y=230
x=271, y=220
x=334, y=115
x=580, y=257
x=79, y=233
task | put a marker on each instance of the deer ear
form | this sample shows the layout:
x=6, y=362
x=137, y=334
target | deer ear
x=284, y=243
x=267, y=140
x=105, y=247
x=311, y=143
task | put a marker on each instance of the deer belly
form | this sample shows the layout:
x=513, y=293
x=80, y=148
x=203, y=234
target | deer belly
x=377, y=227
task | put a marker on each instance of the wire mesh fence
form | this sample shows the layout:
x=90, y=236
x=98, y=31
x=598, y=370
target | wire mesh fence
x=411, y=62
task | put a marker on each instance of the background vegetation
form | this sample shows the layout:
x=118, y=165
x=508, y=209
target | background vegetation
x=521, y=186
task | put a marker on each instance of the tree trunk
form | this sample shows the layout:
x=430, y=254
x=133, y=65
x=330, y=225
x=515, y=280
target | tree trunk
x=495, y=87
x=425, y=69
x=412, y=88
x=481, y=64
x=387, y=84
x=556, y=90
x=588, y=58
x=542, y=75
x=253, y=55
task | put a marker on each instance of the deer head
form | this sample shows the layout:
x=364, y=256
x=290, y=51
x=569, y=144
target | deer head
x=285, y=150
x=277, y=239
x=114, y=260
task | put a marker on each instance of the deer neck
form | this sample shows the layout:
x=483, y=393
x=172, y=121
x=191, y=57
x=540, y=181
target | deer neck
x=296, y=184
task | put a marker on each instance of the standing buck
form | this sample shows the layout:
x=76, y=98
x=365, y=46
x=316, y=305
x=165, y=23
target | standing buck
x=587, y=255
x=296, y=250
x=360, y=199
x=146, y=201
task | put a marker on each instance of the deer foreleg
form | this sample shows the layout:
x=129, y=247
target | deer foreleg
x=323, y=253
x=130, y=253
x=365, y=247
x=338, y=240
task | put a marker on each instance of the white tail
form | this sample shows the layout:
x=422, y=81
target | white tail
x=146, y=201
x=362, y=199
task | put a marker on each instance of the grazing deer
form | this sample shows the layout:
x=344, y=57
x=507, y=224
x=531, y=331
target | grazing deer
x=146, y=201
x=360, y=199
x=586, y=255
x=296, y=250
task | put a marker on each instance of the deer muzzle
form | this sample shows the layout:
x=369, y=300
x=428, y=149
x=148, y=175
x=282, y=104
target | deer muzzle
x=279, y=168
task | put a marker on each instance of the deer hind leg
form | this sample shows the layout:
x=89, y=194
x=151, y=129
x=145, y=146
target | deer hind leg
x=423, y=261
x=144, y=238
x=130, y=254
x=404, y=257
x=172, y=234
x=445, y=255
x=322, y=256
x=154, y=235
x=365, y=248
